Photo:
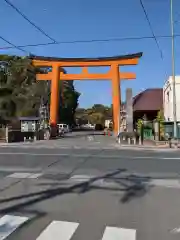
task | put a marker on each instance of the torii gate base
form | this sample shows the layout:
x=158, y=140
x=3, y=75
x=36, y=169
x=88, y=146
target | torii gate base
x=57, y=64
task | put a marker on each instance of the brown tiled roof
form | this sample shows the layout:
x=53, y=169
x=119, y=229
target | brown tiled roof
x=149, y=100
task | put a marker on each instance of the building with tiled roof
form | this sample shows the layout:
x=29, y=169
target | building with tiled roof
x=148, y=102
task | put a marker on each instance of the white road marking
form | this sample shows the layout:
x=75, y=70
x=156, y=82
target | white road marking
x=19, y=169
x=59, y=230
x=175, y=230
x=9, y=224
x=80, y=178
x=87, y=178
x=35, y=175
x=169, y=183
x=114, y=233
x=87, y=155
x=24, y=175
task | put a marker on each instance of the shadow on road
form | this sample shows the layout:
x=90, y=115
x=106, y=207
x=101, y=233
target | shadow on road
x=138, y=187
x=132, y=186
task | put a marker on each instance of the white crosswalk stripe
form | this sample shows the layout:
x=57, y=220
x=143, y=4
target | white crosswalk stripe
x=62, y=230
x=9, y=223
x=24, y=175
x=114, y=233
x=82, y=178
x=59, y=230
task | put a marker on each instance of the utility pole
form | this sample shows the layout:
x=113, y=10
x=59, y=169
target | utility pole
x=173, y=73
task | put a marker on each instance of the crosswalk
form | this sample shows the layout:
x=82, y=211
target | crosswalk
x=94, y=180
x=56, y=230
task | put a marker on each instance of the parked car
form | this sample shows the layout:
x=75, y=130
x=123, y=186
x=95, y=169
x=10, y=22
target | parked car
x=65, y=127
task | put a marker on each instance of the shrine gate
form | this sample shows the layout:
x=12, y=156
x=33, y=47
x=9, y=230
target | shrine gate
x=114, y=74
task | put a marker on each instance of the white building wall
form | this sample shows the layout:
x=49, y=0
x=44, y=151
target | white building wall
x=168, y=99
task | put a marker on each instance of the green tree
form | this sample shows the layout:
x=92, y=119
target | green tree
x=160, y=119
x=139, y=125
x=97, y=118
x=96, y=114
x=21, y=94
x=19, y=90
x=68, y=102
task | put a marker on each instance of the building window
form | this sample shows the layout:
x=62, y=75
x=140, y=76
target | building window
x=168, y=96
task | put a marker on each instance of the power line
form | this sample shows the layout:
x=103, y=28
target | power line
x=27, y=19
x=54, y=42
x=151, y=28
x=91, y=41
x=14, y=46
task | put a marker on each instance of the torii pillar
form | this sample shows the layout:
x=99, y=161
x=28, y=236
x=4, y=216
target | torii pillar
x=116, y=97
x=54, y=101
x=57, y=64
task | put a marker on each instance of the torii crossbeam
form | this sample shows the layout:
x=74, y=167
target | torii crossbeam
x=114, y=74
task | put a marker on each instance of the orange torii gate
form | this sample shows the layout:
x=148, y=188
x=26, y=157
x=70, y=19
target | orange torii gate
x=57, y=74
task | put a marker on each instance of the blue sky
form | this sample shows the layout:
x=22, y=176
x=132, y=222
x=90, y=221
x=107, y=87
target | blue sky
x=71, y=20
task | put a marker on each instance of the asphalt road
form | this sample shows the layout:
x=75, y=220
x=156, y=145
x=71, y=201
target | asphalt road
x=92, y=194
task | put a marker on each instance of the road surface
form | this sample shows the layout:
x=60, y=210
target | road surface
x=92, y=193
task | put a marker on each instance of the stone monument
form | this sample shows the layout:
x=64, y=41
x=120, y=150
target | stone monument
x=129, y=110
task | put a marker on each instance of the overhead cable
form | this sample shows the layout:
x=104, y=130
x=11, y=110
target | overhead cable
x=91, y=41
x=27, y=19
x=151, y=28
x=14, y=46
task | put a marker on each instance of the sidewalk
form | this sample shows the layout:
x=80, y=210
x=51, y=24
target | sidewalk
x=146, y=147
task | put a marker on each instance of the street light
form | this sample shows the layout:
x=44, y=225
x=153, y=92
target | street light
x=173, y=73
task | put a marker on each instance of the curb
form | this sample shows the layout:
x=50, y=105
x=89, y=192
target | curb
x=146, y=148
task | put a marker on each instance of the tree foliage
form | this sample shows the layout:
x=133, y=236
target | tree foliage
x=97, y=114
x=19, y=91
x=160, y=119
x=68, y=102
x=21, y=94
x=139, y=124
